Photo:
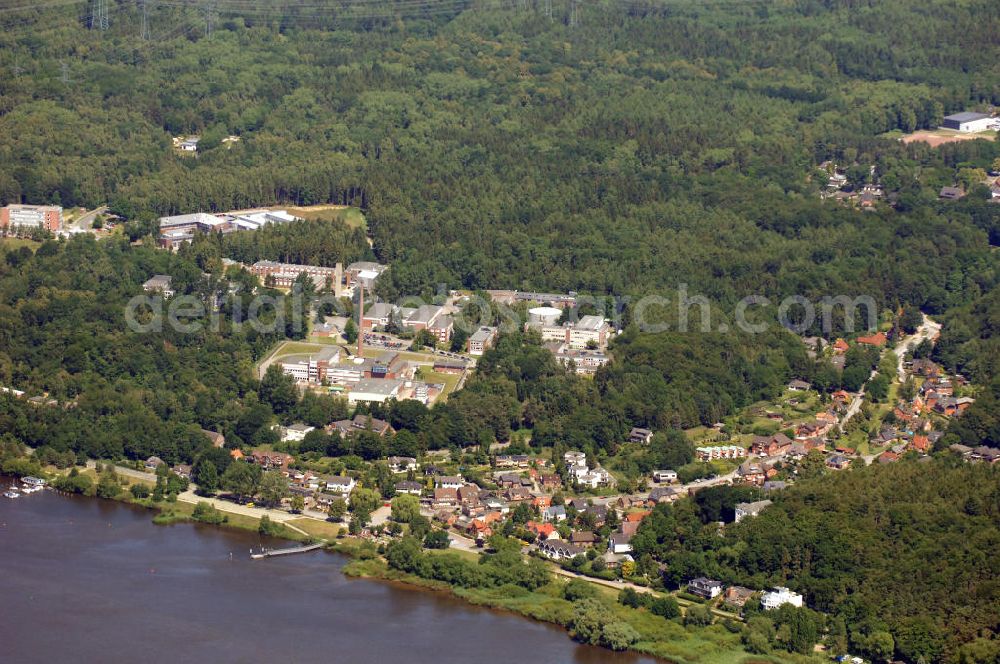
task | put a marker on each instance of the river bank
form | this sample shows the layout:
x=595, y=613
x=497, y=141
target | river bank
x=94, y=580
x=666, y=640
x=658, y=637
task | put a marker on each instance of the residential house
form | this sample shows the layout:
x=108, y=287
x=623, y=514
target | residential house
x=838, y=462
x=445, y=498
x=614, y=560
x=512, y=461
x=495, y=504
x=507, y=480
x=664, y=494
x=448, y=482
x=600, y=513
x=751, y=472
x=559, y=550
x=412, y=488
x=554, y=513
x=953, y=406
x=270, y=460
x=720, y=452
x=153, y=462
x=518, y=494
x=159, y=283
x=706, y=588
x=295, y=432
x=217, y=439
x=878, y=339
x=340, y=485
x=550, y=482
x=542, y=531
x=743, y=510
x=543, y=502
x=360, y=423
x=799, y=385
x=780, y=595
x=402, y=464
x=737, y=596
x=636, y=517
x=985, y=454
x=769, y=446
x=620, y=542
x=583, y=538
x=639, y=435
x=668, y=476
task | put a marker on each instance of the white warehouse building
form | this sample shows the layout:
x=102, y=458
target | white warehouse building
x=969, y=122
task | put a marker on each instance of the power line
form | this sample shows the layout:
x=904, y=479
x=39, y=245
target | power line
x=144, y=24
x=99, y=15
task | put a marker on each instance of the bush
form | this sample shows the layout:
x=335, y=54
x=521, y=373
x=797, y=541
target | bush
x=437, y=539
x=618, y=636
x=666, y=607
x=629, y=597
x=206, y=513
x=698, y=616
x=578, y=589
x=271, y=528
x=139, y=491
x=75, y=483
x=109, y=487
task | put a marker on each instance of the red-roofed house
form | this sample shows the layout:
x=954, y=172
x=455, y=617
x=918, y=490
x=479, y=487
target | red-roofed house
x=543, y=531
x=888, y=457
x=878, y=339
x=541, y=502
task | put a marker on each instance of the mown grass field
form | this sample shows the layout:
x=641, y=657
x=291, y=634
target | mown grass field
x=351, y=216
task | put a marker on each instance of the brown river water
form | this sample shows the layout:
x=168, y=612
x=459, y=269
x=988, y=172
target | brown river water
x=87, y=580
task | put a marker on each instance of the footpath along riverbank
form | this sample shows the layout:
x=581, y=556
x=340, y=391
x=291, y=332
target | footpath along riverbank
x=657, y=637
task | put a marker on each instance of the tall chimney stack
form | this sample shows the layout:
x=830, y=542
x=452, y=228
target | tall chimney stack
x=361, y=319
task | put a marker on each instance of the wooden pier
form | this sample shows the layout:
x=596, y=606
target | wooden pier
x=270, y=553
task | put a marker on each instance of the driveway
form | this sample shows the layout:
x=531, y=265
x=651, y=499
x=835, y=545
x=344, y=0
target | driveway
x=927, y=330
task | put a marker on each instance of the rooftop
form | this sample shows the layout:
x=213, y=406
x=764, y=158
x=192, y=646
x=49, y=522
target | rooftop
x=966, y=116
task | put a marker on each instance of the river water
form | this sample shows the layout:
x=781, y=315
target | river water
x=87, y=580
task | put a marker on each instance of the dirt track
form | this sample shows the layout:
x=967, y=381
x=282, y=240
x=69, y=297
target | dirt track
x=935, y=139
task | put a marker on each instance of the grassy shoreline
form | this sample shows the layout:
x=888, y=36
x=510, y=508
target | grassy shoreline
x=663, y=639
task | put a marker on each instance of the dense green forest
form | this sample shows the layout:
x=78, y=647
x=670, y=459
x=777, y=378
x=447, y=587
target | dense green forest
x=651, y=143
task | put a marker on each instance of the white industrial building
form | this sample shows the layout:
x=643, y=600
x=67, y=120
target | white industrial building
x=969, y=122
x=374, y=390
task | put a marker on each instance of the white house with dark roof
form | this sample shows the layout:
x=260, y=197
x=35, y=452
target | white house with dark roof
x=743, y=510
x=557, y=549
